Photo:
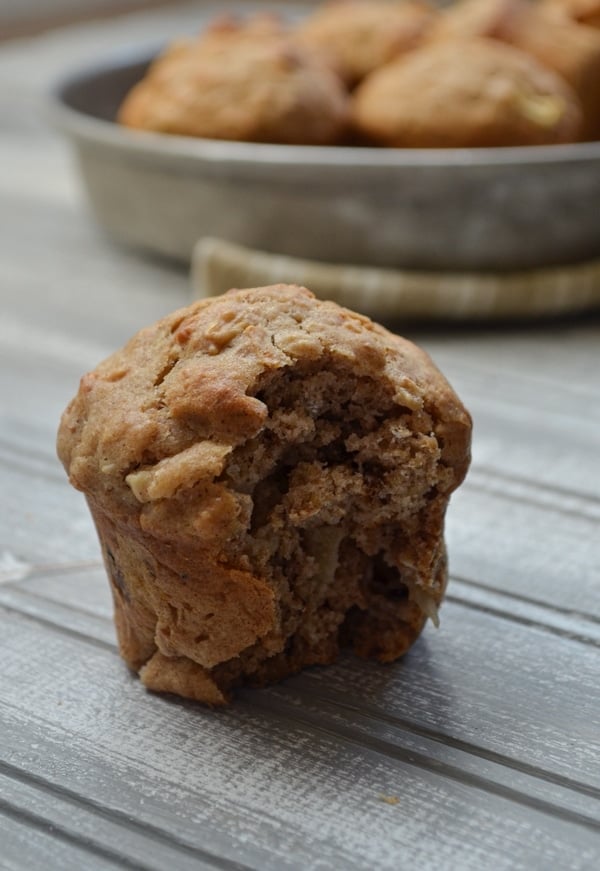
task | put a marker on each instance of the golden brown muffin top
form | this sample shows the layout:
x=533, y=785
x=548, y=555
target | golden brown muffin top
x=559, y=43
x=166, y=411
x=468, y=93
x=584, y=11
x=360, y=35
x=467, y=19
x=240, y=81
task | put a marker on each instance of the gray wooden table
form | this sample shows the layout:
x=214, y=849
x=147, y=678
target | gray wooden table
x=481, y=750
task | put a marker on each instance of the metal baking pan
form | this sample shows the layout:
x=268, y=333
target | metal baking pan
x=495, y=209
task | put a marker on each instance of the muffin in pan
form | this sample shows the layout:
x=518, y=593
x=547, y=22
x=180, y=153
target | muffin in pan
x=269, y=476
x=359, y=36
x=240, y=81
x=583, y=11
x=471, y=93
x=568, y=48
x=466, y=19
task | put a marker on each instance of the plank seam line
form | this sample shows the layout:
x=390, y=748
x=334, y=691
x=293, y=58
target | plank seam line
x=31, y=779
x=59, y=832
x=450, y=772
x=501, y=475
x=44, y=464
x=523, y=621
x=567, y=634
x=481, y=390
x=147, y=830
x=37, y=571
x=42, y=569
x=18, y=588
x=466, y=364
x=456, y=743
x=12, y=447
x=31, y=472
x=472, y=749
x=59, y=627
x=527, y=600
x=499, y=493
x=113, y=648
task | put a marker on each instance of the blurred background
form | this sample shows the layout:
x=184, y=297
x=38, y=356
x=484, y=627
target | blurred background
x=25, y=17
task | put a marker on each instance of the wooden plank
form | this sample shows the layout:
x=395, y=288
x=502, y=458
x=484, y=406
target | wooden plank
x=43, y=521
x=553, y=400
x=274, y=789
x=536, y=552
x=83, y=588
x=80, y=837
x=26, y=845
x=546, y=437
x=526, y=491
x=100, y=293
x=563, y=353
x=446, y=685
x=76, y=620
x=568, y=624
x=515, y=691
x=560, y=455
x=523, y=785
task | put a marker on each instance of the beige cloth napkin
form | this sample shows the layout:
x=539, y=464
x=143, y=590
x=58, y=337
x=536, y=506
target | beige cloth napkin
x=390, y=293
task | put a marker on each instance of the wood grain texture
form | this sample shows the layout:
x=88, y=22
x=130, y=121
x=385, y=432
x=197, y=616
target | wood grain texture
x=316, y=784
x=26, y=837
x=420, y=690
x=488, y=733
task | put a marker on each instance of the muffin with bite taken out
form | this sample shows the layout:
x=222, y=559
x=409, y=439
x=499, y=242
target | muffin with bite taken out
x=268, y=475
